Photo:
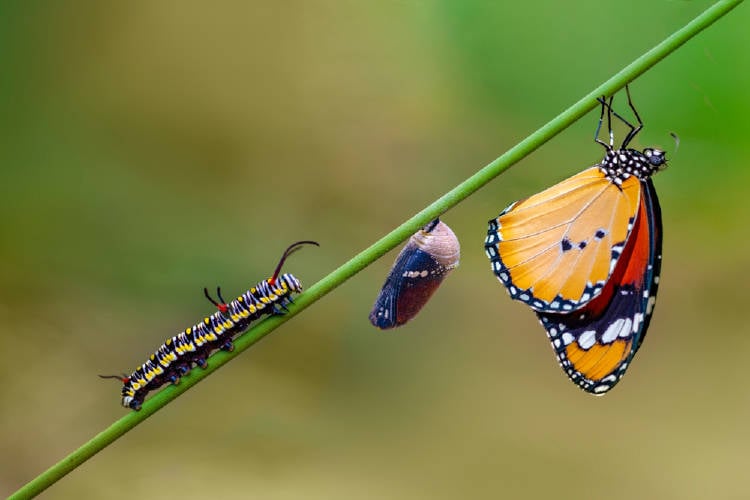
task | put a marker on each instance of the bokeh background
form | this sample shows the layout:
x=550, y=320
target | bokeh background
x=148, y=149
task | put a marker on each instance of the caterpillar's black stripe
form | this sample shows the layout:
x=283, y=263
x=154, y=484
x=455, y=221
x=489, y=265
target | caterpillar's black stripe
x=176, y=356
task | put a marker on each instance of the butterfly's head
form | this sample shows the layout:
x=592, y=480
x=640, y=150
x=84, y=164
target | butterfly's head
x=656, y=158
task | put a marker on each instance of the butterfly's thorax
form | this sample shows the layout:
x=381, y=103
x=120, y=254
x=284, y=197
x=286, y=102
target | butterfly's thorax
x=619, y=164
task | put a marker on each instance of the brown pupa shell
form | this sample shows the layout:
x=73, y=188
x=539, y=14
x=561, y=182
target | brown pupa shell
x=429, y=255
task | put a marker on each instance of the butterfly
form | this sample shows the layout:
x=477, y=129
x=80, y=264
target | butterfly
x=585, y=255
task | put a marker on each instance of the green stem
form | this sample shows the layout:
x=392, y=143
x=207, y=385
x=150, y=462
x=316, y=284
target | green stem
x=388, y=242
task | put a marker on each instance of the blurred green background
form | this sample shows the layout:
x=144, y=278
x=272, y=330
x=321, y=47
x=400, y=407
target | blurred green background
x=149, y=149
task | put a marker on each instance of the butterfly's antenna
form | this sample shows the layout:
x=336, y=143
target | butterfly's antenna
x=290, y=250
x=676, y=141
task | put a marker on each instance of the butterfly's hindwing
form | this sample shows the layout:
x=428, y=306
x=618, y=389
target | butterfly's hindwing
x=595, y=344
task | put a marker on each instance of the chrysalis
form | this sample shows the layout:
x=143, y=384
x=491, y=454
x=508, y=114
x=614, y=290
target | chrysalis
x=428, y=257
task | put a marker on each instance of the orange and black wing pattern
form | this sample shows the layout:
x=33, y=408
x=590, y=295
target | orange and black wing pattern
x=596, y=343
x=585, y=255
x=556, y=250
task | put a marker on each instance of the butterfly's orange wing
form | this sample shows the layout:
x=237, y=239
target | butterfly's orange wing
x=556, y=249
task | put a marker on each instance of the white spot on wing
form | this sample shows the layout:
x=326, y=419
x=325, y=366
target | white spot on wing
x=587, y=339
x=613, y=330
x=625, y=331
x=637, y=321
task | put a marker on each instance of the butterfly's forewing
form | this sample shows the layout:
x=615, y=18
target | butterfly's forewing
x=556, y=249
x=595, y=344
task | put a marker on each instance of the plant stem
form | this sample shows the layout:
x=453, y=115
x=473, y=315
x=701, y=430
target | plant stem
x=386, y=243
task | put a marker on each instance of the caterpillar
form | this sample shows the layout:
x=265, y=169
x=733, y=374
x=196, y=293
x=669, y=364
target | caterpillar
x=176, y=356
x=428, y=257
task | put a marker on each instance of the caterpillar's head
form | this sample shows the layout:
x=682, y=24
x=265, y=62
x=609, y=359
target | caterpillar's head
x=131, y=402
x=128, y=391
x=129, y=399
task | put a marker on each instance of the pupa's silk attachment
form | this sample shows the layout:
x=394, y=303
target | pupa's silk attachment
x=430, y=254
